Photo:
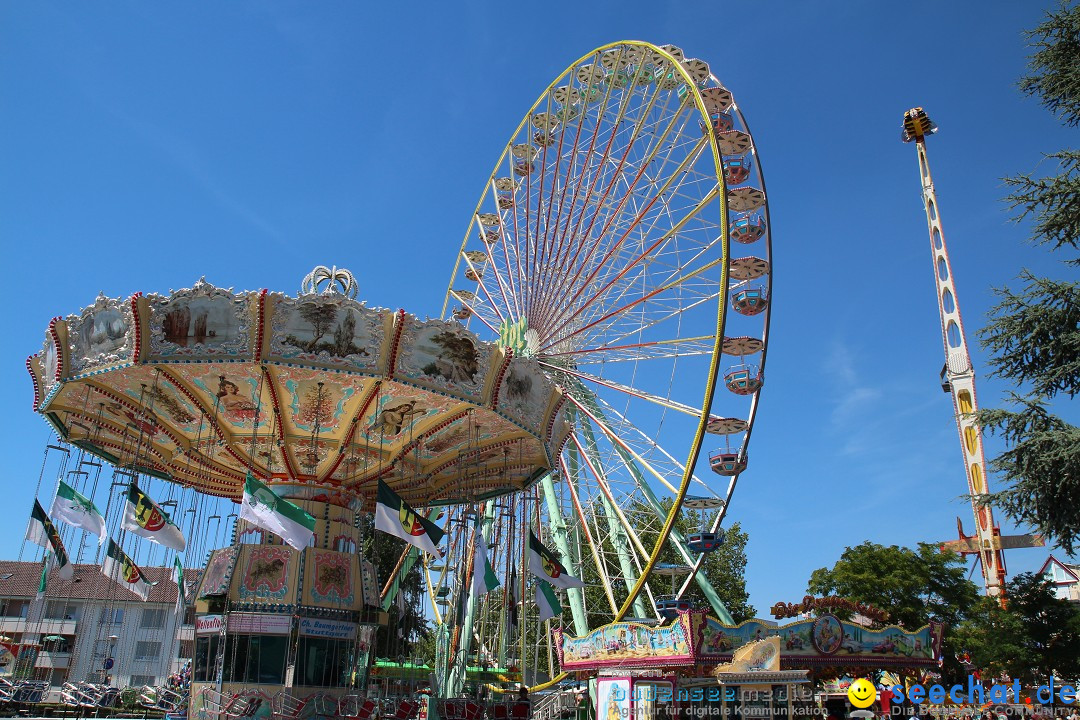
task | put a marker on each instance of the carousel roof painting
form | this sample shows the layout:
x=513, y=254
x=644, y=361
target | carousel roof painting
x=203, y=385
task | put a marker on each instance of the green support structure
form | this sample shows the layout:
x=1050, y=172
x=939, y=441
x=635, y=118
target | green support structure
x=676, y=538
x=618, y=534
x=458, y=665
x=575, y=596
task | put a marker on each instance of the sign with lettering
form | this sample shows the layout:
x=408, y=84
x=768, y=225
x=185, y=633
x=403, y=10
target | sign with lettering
x=809, y=602
x=259, y=623
x=208, y=624
x=336, y=629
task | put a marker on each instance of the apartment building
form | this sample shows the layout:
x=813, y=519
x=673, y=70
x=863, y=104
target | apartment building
x=91, y=628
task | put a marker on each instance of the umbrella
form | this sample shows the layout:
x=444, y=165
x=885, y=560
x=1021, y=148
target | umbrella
x=52, y=638
x=4, y=638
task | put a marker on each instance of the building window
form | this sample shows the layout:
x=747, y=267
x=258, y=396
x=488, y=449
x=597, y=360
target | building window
x=112, y=616
x=147, y=650
x=140, y=680
x=152, y=618
x=255, y=658
x=58, y=610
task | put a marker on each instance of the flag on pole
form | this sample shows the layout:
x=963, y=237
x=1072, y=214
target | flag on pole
x=43, y=532
x=119, y=567
x=547, y=601
x=513, y=598
x=143, y=517
x=264, y=508
x=76, y=509
x=394, y=517
x=178, y=578
x=484, y=579
x=544, y=565
x=43, y=582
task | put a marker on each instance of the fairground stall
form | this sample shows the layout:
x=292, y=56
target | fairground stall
x=754, y=668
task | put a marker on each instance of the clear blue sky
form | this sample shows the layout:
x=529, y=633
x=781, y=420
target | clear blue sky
x=147, y=144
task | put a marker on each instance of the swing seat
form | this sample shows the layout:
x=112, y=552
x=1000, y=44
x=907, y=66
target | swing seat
x=521, y=710
x=405, y=710
x=500, y=711
x=355, y=706
x=286, y=706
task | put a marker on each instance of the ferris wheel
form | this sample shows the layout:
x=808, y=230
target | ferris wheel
x=601, y=251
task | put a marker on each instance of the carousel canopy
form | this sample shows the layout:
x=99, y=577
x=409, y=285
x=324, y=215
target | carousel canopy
x=203, y=385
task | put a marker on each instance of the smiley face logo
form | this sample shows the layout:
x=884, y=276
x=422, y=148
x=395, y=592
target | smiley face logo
x=862, y=693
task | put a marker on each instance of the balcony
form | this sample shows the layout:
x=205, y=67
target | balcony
x=9, y=625
x=53, y=660
x=186, y=632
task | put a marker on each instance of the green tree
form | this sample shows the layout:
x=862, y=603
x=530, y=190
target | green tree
x=1034, y=333
x=406, y=636
x=1036, y=636
x=915, y=587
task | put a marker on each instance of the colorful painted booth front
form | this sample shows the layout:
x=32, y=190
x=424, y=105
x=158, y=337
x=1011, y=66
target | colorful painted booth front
x=755, y=668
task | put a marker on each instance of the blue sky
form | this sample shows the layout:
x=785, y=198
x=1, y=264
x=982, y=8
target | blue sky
x=148, y=144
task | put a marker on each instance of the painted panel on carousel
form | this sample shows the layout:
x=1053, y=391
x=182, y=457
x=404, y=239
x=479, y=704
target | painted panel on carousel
x=828, y=638
x=329, y=579
x=525, y=393
x=371, y=588
x=628, y=644
x=560, y=429
x=443, y=356
x=155, y=391
x=230, y=393
x=201, y=322
x=305, y=403
x=329, y=331
x=218, y=573
x=102, y=335
x=264, y=451
x=397, y=412
x=268, y=574
x=53, y=362
x=460, y=433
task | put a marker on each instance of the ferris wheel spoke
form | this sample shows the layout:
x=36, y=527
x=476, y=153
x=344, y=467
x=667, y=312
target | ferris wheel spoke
x=569, y=315
x=613, y=252
x=626, y=194
x=640, y=394
x=616, y=175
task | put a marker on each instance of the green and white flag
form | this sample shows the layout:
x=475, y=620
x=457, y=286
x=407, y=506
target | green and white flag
x=547, y=601
x=484, y=579
x=394, y=517
x=43, y=532
x=264, y=508
x=119, y=567
x=544, y=565
x=77, y=510
x=178, y=578
x=143, y=517
x=43, y=582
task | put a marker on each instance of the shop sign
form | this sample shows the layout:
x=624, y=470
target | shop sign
x=207, y=624
x=336, y=629
x=259, y=623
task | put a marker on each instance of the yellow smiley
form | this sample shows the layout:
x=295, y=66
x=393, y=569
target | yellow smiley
x=862, y=693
